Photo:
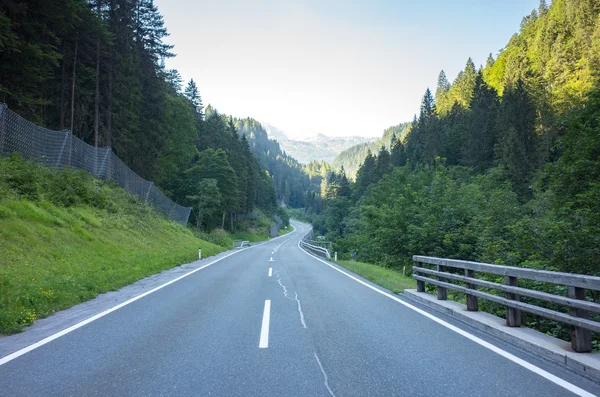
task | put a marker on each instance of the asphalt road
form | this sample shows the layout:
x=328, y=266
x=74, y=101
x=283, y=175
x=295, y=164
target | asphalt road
x=321, y=333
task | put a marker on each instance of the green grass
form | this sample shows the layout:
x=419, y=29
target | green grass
x=59, y=248
x=387, y=278
x=249, y=236
x=284, y=231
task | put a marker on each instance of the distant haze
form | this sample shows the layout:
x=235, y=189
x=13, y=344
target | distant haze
x=338, y=68
x=312, y=146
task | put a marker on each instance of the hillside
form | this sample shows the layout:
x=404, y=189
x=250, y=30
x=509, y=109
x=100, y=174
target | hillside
x=292, y=184
x=318, y=147
x=500, y=166
x=119, y=94
x=353, y=157
x=67, y=237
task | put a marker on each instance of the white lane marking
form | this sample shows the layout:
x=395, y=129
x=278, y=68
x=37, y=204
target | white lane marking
x=533, y=368
x=270, y=271
x=264, y=330
x=324, y=376
x=72, y=328
x=271, y=260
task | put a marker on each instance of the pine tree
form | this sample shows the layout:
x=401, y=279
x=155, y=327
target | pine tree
x=482, y=134
x=193, y=95
x=542, y=8
x=398, y=154
x=514, y=159
x=442, y=97
x=455, y=127
x=424, y=143
x=382, y=163
x=215, y=164
x=490, y=61
x=344, y=190
x=518, y=119
x=365, y=175
x=463, y=86
x=174, y=79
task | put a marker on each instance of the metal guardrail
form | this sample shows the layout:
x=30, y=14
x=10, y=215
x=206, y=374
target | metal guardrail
x=240, y=243
x=308, y=245
x=581, y=325
x=320, y=243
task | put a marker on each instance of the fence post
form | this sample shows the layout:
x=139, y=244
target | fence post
x=62, y=149
x=148, y=192
x=96, y=158
x=172, y=209
x=442, y=292
x=103, y=165
x=581, y=338
x=420, y=284
x=3, y=123
x=70, y=137
x=472, y=304
x=513, y=316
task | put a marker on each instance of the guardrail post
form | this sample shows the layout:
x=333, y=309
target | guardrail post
x=513, y=316
x=472, y=304
x=420, y=284
x=442, y=292
x=581, y=338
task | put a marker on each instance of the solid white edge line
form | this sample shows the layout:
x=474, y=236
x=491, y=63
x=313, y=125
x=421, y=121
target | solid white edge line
x=270, y=271
x=533, y=368
x=72, y=328
x=264, y=329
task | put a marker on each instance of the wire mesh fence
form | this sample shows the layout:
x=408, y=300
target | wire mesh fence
x=62, y=149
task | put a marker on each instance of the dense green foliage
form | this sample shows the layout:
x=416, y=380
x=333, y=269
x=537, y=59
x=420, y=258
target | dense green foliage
x=293, y=186
x=500, y=166
x=353, y=157
x=97, y=67
x=67, y=237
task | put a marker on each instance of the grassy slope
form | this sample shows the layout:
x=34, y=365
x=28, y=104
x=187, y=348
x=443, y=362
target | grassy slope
x=59, y=247
x=387, y=278
x=283, y=231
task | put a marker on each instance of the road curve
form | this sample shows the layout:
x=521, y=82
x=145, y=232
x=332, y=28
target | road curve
x=272, y=320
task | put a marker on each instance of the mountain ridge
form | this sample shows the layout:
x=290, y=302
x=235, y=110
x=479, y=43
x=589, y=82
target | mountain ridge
x=316, y=147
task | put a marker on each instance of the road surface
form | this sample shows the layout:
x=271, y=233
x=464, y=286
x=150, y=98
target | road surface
x=271, y=320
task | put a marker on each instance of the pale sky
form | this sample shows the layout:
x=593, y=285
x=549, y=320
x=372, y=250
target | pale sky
x=335, y=67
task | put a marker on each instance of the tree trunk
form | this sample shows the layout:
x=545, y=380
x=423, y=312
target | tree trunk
x=97, y=97
x=223, y=221
x=108, y=129
x=63, y=72
x=73, y=83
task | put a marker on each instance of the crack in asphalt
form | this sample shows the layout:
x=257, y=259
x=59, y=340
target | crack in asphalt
x=295, y=298
x=326, y=381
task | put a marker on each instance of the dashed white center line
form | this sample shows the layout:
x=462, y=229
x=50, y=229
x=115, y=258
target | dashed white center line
x=270, y=271
x=264, y=331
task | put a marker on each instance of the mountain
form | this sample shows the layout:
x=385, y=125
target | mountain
x=317, y=147
x=292, y=184
x=353, y=157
